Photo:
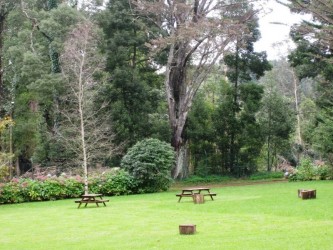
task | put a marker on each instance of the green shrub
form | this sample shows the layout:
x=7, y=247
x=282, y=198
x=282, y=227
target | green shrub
x=34, y=190
x=10, y=192
x=120, y=183
x=306, y=170
x=73, y=187
x=292, y=177
x=52, y=189
x=150, y=162
x=322, y=172
x=266, y=175
x=115, y=182
x=329, y=172
x=309, y=171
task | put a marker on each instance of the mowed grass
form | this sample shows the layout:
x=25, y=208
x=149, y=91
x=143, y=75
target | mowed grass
x=262, y=216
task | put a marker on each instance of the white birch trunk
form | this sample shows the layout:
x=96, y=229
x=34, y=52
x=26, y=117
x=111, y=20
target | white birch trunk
x=298, y=127
x=82, y=125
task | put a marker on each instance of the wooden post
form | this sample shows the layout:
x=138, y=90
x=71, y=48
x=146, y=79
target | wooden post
x=187, y=229
x=198, y=198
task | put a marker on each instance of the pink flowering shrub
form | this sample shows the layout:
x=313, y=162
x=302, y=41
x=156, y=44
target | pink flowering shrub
x=44, y=188
x=39, y=189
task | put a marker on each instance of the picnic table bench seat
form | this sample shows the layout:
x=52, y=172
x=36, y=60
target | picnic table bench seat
x=184, y=195
x=210, y=194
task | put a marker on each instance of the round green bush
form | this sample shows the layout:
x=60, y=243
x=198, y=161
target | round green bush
x=118, y=182
x=150, y=162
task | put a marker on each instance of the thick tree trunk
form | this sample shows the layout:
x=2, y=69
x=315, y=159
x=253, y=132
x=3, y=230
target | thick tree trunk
x=179, y=100
x=181, y=170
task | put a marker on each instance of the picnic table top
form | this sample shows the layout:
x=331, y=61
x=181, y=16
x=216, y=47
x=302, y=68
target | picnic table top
x=91, y=195
x=195, y=188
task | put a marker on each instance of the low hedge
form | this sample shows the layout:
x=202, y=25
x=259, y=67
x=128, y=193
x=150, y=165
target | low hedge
x=44, y=188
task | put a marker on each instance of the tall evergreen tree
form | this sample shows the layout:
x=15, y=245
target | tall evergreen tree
x=238, y=135
x=243, y=66
x=276, y=120
x=201, y=137
x=134, y=88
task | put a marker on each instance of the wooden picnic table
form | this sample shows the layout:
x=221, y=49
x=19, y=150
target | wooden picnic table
x=190, y=192
x=91, y=198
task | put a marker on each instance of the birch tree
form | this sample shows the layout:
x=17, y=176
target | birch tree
x=196, y=35
x=84, y=129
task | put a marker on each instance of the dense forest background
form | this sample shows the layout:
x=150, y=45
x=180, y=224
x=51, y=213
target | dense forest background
x=82, y=82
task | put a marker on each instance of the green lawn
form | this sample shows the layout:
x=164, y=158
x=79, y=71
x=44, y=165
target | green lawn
x=263, y=216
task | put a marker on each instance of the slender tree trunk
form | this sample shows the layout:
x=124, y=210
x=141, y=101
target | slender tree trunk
x=2, y=29
x=17, y=166
x=298, y=128
x=269, y=141
x=234, y=111
x=82, y=125
x=84, y=148
x=11, y=167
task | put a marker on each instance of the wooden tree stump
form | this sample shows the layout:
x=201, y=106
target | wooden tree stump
x=307, y=194
x=187, y=229
x=198, y=198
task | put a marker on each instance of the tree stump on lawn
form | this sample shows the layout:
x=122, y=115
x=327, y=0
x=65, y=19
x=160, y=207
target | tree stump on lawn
x=307, y=194
x=198, y=198
x=187, y=229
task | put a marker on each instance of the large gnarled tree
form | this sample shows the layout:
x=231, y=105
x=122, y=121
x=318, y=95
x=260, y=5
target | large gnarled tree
x=196, y=35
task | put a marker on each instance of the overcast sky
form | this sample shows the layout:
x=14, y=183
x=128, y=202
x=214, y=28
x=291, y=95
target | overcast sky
x=274, y=28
